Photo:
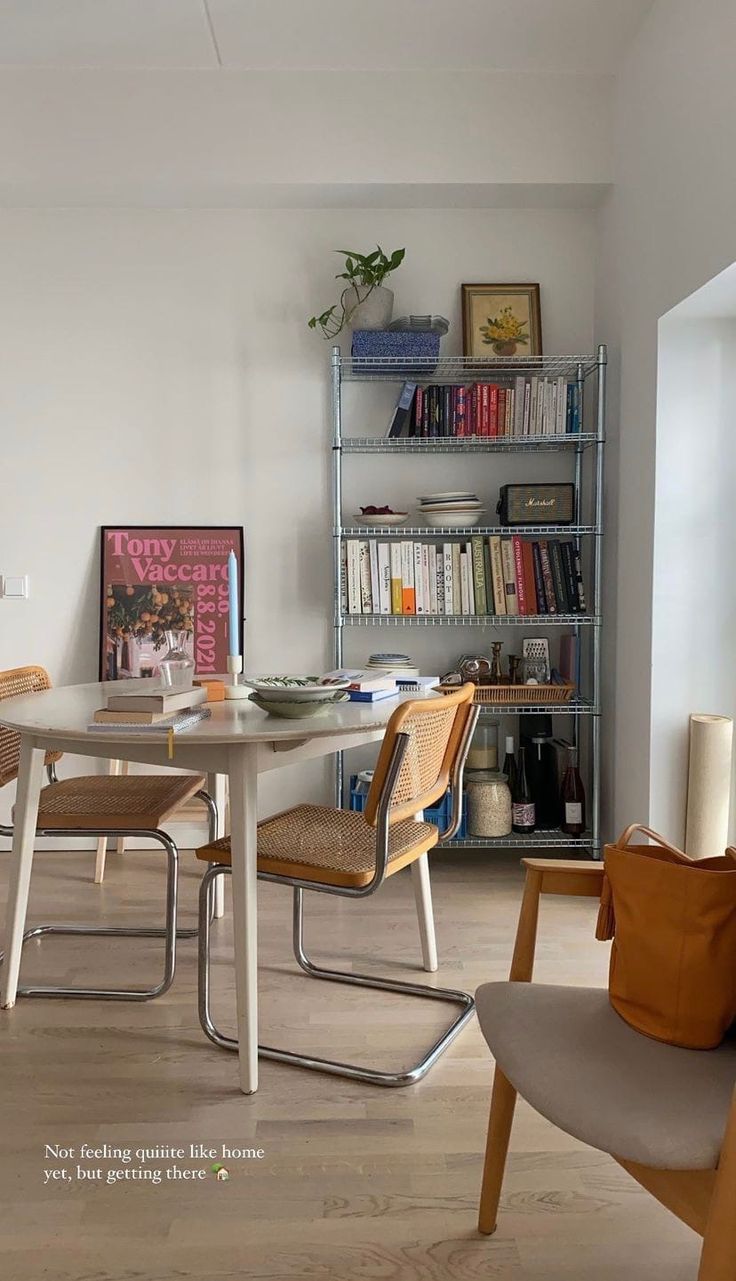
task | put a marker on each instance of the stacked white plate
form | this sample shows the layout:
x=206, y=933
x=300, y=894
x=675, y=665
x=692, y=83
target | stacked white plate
x=452, y=509
x=392, y=663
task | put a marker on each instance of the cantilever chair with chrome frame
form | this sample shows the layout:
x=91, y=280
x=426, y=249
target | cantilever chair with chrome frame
x=334, y=851
x=104, y=806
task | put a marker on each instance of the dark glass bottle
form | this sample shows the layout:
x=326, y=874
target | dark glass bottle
x=523, y=818
x=509, y=764
x=542, y=773
x=572, y=795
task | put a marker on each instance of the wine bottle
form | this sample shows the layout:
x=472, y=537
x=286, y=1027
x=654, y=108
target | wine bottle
x=523, y=819
x=572, y=794
x=509, y=764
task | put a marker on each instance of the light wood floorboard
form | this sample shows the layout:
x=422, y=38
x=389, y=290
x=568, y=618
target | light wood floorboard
x=357, y=1183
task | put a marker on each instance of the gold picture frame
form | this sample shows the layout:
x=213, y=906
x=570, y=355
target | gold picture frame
x=501, y=321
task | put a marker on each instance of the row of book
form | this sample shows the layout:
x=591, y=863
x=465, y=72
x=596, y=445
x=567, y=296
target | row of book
x=526, y=406
x=494, y=575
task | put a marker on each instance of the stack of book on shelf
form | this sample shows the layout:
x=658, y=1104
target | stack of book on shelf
x=368, y=687
x=497, y=575
x=145, y=711
x=511, y=406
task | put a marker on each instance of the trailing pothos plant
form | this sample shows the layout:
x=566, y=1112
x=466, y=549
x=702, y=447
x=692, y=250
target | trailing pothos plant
x=364, y=273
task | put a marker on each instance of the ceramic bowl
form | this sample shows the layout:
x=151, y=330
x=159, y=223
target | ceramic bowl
x=295, y=711
x=453, y=520
x=293, y=689
x=386, y=520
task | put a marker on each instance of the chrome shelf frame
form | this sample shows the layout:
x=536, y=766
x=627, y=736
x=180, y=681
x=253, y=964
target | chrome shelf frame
x=467, y=444
x=469, y=620
x=464, y=531
x=460, y=369
x=579, y=369
x=542, y=840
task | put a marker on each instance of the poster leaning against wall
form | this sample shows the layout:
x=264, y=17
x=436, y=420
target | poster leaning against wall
x=161, y=585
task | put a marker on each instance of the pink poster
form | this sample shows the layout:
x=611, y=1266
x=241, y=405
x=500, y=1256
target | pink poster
x=161, y=586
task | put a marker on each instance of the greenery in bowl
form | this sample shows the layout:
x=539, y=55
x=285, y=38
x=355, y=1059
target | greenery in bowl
x=364, y=273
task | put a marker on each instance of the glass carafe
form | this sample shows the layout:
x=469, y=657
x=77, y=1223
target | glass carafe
x=176, y=667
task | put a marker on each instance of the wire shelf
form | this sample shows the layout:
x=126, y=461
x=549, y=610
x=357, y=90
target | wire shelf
x=546, y=839
x=465, y=444
x=459, y=369
x=574, y=707
x=470, y=620
x=464, y=531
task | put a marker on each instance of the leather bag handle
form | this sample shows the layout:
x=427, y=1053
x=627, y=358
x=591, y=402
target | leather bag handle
x=639, y=828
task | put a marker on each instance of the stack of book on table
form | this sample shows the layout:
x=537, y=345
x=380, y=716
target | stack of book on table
x=496, y=575
x=144, y=711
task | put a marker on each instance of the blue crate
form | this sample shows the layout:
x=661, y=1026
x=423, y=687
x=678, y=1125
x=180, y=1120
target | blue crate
x=393, y=344
x=437, y=814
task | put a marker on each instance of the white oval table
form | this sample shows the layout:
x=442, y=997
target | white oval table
x=238, y=740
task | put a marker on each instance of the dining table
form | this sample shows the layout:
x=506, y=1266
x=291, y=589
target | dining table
x=238, y=741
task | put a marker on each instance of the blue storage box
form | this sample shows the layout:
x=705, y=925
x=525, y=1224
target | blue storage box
x=397, y=344
x=437, y=814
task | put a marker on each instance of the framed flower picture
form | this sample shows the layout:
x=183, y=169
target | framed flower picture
x=501, y=321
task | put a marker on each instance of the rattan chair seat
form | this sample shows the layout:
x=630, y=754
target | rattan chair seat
x=328, y=846
x=140, y=801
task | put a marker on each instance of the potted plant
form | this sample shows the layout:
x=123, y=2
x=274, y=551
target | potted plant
x=365, y=302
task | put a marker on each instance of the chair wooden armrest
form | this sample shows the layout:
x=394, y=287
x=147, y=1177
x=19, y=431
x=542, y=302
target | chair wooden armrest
x=580, y=878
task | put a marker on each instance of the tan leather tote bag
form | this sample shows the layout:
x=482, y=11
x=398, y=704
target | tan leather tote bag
x=673, y=923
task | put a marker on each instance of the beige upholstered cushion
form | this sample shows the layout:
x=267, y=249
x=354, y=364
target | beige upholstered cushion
x=580, y=1065
x=329, y=846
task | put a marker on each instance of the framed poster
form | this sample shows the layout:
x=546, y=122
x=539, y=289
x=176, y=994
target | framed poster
x=161, y=580
x=501, y=321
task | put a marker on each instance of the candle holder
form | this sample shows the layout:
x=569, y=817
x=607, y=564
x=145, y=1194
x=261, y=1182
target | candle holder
x=235, y=667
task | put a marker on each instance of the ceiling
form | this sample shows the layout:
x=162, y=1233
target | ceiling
x=584, y=36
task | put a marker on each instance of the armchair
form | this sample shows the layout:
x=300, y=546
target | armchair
x=667, y=1115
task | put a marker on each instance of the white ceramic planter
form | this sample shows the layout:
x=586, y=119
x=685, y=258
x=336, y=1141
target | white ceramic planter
x=369, y=308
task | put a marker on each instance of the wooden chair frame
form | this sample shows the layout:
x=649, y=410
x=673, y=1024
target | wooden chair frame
x=703, y=1199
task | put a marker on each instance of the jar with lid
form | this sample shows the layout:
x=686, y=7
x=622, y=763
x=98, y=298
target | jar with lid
x=483, y=751
x=489, y=804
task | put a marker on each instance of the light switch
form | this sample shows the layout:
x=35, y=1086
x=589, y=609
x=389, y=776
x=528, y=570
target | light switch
x=15, y=587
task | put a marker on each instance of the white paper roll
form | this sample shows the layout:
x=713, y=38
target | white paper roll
x=708, y=785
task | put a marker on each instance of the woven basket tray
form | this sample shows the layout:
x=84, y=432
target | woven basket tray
x=515, y=695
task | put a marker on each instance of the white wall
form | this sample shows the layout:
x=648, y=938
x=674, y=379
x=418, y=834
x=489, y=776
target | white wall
x=157, y=368
x=669, y=225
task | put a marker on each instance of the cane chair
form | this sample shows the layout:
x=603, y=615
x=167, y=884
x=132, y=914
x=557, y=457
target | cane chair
x=334, y=851
x=104, y=806
x=667, y=1115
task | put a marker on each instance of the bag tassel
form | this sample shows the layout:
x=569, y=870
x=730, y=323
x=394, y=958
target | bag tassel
x=606, y=923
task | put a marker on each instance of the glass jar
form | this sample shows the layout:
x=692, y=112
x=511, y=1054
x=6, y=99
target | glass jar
x=176, y=667
x=483, y=751
x=489, y=804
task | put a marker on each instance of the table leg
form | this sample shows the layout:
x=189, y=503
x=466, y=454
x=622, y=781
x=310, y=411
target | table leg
x=243, y=777
x=30, y=774
x=218, y=792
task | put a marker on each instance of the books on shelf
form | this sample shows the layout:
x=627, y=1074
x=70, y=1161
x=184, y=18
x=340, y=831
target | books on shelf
x=525, y=405
x=502, y=575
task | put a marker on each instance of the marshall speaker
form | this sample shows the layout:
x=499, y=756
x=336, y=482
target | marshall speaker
x=536, y=504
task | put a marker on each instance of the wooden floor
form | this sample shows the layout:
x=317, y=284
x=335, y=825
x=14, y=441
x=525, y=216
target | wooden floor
x=356, y=1182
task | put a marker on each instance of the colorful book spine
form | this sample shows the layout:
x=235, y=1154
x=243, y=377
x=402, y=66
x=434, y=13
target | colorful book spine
x=384, y=579
x=479, y=575
x=509, y=576
x=426, y=584
x=416, y=550
x=497, y=578
x=529, y=583
x=539, y=580
x=432, y=574
x=519, y=575
x=549, y=587
x=397, y=605
x=461, y=411
x=408, y=595
x=366, y=598
x=447, y=575
x=353, y=557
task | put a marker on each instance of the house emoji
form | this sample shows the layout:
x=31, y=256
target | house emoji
x=220, y=1173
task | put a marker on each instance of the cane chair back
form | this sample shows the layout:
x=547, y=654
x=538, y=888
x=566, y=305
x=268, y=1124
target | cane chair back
x=436, y=729
x=19, y=680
